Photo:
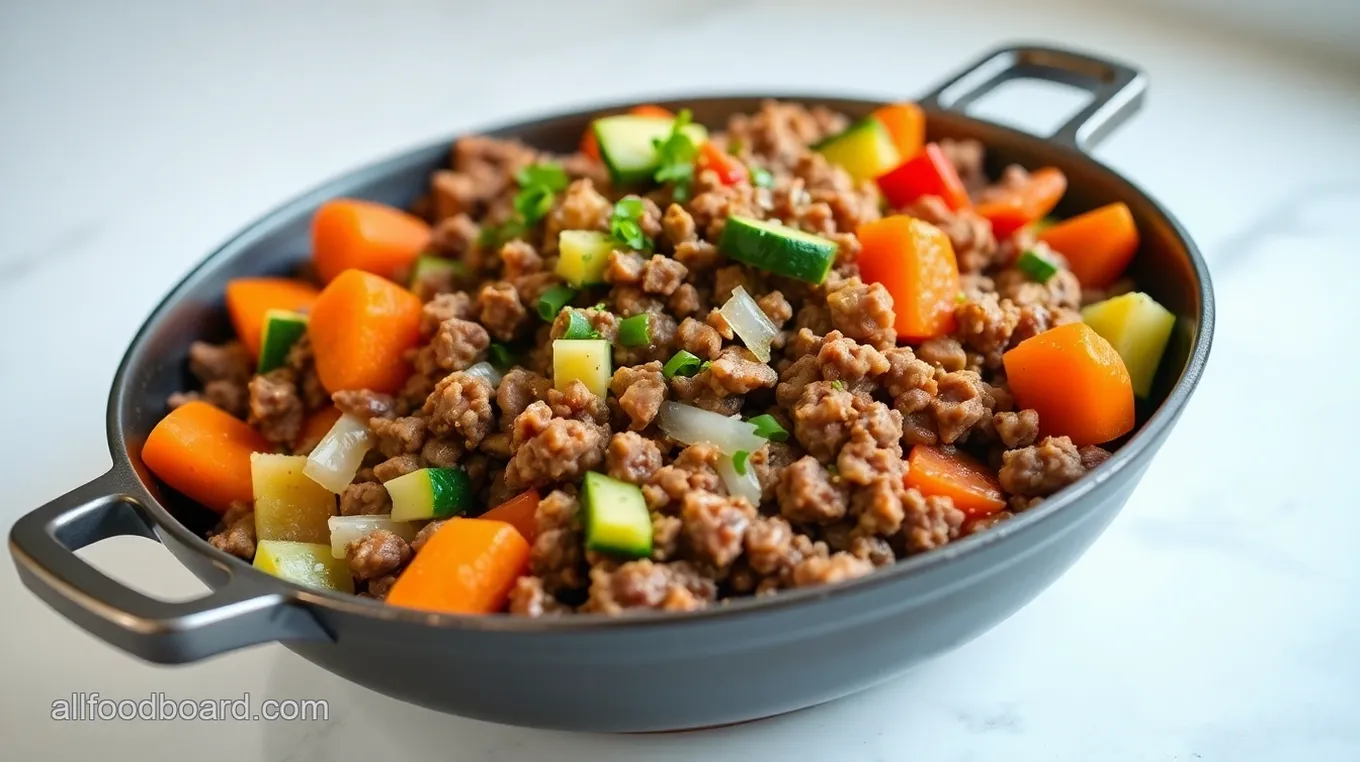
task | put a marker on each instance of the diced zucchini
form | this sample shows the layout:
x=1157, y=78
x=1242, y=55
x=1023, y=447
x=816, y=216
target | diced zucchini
x=430, y=493
x=1138, y=328
x=628, y=148
x=776, y=248
x=616, y=518
x=282, y=329
x=864, y=149
x=288, y=504
x=583, y=256
x=586, y=360
x=347, y=529
x=305, y=563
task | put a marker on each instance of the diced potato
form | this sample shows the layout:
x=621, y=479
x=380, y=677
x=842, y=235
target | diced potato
x=865, y=150
x=288, y=504
x=586, y=360
x=1138, y=328
x=583, y=256
x=305, y=563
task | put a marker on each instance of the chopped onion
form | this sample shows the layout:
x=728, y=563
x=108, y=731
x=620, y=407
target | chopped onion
x=487, y=372
x=690, y=425
x=339, y=454
x=739, y=485
x=347, y=529
x=750, y=323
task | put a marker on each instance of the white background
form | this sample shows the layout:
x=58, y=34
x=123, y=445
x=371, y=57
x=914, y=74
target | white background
x=1216, y=619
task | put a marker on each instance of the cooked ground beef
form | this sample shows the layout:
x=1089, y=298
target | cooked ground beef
x=853, y=399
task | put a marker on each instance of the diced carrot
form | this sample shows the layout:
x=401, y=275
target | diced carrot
x=906, y=123
x=467, y=567
x=518, y=512
x=1076, y=381
x=248, y=299
x=315, y=427
x=349, y=233
x=204, y=453
x=591, y=148
x=361, y=327
x=1018, y=207
x=729, y=168
x=915, y=262
x=1098, y=245
x=972, y=485
x=929, y=174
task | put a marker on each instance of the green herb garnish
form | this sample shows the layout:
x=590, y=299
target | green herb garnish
x=739, y=459
x=676, y=155
x=553, y=300
x=625, y=224
x=682, y=364
x=767, y=426
x=579, y=327
x=548, y=175
x=761, y=178
x=501, y=356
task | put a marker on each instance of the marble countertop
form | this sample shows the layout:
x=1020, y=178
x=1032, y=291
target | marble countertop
x=1216, y=619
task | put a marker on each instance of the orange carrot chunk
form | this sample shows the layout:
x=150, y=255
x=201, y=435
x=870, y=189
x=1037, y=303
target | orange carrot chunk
x=467, y=567
x=906, y=123
x=915, y=262
x=1098, y=245
x=518, y=512
x=204, y=453
x=1076, y=381
x=590, y=147
x=248, y=299
x=972, y=485
x=1011, y=209
x=361, y=327
x=363, y=235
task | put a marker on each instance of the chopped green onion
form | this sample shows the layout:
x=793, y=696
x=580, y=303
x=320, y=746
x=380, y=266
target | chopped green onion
x=600, y=307
x=682, y=364
x=761, y=178
x=838, y=385
x=578, y=327
x=636, y=331
x=548, y=175
x=703, y=366
x=739, y=459
x=501, y=356
x=625, y=224
x=553, y=300
x=767, y=426
x=1036, y=266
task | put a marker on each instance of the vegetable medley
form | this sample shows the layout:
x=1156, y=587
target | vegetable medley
x=672, y=368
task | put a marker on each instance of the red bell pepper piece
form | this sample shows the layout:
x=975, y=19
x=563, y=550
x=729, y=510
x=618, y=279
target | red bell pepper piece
x=929, y=174
x=730, y=170
x=1014, y=208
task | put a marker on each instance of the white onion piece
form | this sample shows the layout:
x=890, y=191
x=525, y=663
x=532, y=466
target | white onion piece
x=750, y=323
x=347, y=529
x=488, y=372
x=339, y=454
x=738, y=485
x=690, y=425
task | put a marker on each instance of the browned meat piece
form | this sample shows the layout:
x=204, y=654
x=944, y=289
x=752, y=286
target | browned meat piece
x=460, y=406
x=518, y=260
x=391, y=468
x=678, y=225
x=676, y=586
x=1092, y=456
x=699, y=339
x=519, y=388
x=236, y=532
x=1017, y=429
x=1042, y=469
x=624, y=268
x=377, y=553
x=776, y=308
x=686, y=301
x=864, y=312
x=842, y=359
x=822, y=418
x=985, y=323
x=397, y=436
x=548, y=450
x=500, y=311
x=714, y=526
x=662, y=275
x=698, y=257
x=444, y=307
x=557, y=555
x=930, y=522
x=379, y=587
x=839, y=567
x=807, y=495
x=365, y=499
x=528, y=598
x=579, y=403
x=364, y=404
x=962, y=403
x=275, y=408
x=943, y=352
x=640, y=390
x=455, y=237
x=632, y=458
x=692, y=471
x=967, y=156
x=459, y=344
x=737, y=371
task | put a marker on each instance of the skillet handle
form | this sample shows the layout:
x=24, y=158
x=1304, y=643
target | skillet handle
x=1117, y=89
x=241, y=612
